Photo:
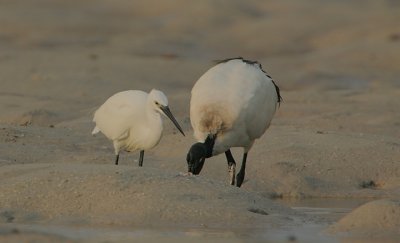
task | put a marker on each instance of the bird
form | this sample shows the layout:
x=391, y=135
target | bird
x=132, y=120
x=231, y=105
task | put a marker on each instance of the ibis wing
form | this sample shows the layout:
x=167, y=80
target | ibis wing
x=233, y=95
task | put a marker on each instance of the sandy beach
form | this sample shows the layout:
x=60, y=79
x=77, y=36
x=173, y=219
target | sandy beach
x=327, y=169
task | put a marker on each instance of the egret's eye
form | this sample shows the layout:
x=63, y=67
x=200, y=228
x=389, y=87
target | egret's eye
x=156, y=102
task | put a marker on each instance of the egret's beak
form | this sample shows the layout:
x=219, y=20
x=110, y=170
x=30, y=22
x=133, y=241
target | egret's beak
x=168, y=113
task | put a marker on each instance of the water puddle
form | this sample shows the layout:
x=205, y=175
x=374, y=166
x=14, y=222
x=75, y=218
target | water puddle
x=319, y=214
x=324, y=210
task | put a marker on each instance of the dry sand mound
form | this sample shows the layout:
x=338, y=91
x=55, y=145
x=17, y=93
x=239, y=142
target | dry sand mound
x=127, y=196
x=372, y=219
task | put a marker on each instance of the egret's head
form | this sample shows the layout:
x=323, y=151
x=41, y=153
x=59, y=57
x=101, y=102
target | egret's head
x=158, y=100
x=196, y=157
x=160, y=103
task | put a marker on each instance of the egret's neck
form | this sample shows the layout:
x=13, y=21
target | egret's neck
x=149, y=131
x=153, y=117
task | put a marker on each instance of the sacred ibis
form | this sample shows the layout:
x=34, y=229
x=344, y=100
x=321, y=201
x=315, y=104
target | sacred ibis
x=231, y=105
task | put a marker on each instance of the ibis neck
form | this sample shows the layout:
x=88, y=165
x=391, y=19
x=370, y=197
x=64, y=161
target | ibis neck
x=209, y=144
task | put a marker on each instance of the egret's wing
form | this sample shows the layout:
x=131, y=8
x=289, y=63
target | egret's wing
x=120, y=112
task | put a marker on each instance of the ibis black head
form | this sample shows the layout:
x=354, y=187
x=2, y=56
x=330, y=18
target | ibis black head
x=198, y=153
x=196, y=157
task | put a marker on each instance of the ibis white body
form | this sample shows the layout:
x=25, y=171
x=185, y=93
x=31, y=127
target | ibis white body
x=235, y=100
x=132, y=119
x=232, y=105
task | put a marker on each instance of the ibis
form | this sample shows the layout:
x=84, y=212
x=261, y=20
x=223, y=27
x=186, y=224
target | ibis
x=231, y=105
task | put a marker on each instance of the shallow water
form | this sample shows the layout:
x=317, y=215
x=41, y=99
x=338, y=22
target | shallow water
x=318, y=215
x=324, y=210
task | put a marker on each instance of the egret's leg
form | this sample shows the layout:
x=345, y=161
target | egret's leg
x=141, y=158
x=240, y=175
x=231, y=166
x=116, y=159
x=116, y=150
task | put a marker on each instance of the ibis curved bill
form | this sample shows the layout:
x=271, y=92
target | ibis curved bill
x=132, y=120
x=231, y=105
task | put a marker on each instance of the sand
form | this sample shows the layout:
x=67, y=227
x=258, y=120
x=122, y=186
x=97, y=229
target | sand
x=376, y=219
x=335, y=136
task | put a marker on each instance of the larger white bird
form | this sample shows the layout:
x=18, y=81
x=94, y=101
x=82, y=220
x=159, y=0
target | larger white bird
x=232, y=104
x=132, y=120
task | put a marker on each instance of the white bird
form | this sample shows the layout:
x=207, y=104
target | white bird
x=132, y=120
x=231, y=105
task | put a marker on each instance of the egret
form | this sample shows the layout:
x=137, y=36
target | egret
x=231, y=105
x=132, y=120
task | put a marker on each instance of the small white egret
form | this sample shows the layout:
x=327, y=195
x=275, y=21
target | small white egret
x=231, y=105
x=132, y=120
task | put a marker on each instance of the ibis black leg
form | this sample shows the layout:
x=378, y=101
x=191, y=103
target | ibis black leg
x=231, y=166
x=141, y=158
x=240, y=175
x=229, y=157
x=116, y=159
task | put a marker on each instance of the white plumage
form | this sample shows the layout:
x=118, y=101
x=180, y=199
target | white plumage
x=232, y=104
x=131, y=119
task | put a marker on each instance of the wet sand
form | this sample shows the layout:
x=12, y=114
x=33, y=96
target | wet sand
x=336, y=136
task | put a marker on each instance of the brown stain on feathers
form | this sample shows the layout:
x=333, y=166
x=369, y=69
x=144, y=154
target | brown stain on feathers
x=215, y=119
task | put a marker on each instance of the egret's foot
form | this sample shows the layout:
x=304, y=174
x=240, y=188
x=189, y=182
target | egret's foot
x=232, y=173
x=239, y=178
